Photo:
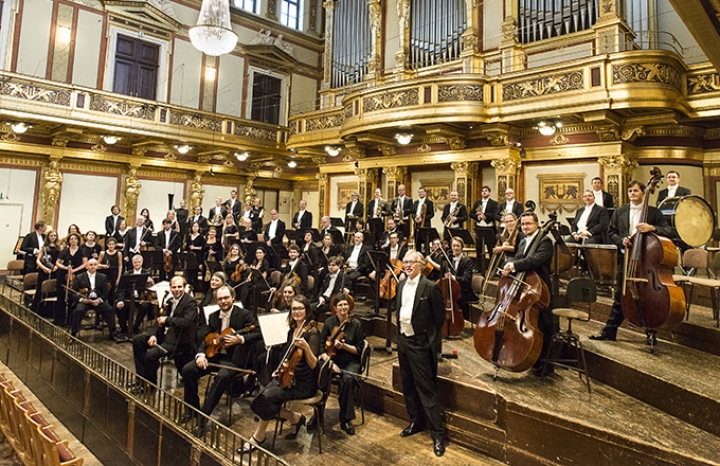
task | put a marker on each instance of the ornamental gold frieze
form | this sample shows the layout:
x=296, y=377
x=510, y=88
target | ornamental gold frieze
x=647, y=73
x=703, y=83
x=348, y=111
x=195, y=120
x=69, y=165
x=543, y=86
x=123, y=108
x=254, y=132
x=22, y=161
x=163, y=173
x=454, y=93
x=324, y=122
x=38, y=93
x=388, y=100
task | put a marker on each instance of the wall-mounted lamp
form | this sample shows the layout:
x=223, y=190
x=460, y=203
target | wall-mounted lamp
x=292, y=164
x=242, y=157
x=333, y=151
x=548, y=129
x=110, y=140
x=64, y=34
x=404, y=138
x=19, y=128
x=184, y=149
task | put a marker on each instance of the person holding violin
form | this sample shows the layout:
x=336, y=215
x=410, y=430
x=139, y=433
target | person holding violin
x=625, y=222
x=144, y=306
x=461, y=270
x=90, y=249
x=169, y=242
x=229, y=332
x=344, y=340
x=420, y=318
x=296, y=269
x=139, y=238
x=336, y=281
x=46, y=264
x=212, y=250
x=282, y=302
x=540, y=262
x=234, y=266
x=296, y=377
x=70, y=261
x=91, y=292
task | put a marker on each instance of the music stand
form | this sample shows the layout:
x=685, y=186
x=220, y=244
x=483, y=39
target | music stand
x=462, y=233
x=293, y=235
x=337, y=222
x=315, y=234
x=428, y=235
x=380, y=262
x=559, y=246
x=152, y=260
x=337, y=237
x=132, y=283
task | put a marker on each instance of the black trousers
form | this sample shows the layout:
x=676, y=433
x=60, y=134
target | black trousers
x=147, y=359
x=191, y=374
x=616, y=313
x=81, y=310
x=484, y=237
x=418, y=371
x=346, y=390
x=143, y=309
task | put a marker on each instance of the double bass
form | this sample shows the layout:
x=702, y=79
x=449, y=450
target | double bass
x=650, y=297
x=450, y=289
x=508, y=335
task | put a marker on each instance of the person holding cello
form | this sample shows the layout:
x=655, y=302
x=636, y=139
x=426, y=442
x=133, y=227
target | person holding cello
x=420, y=317
x=539, y=261
x=461, y=270
x=296, y=377
x=344, y=340
x=623, y=225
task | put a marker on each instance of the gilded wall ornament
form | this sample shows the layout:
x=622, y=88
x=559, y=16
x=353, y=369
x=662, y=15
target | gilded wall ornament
x=312, y=21
x=395, y=173
x=254, y=132
x=27, y=91
x=544, y=86
x=171, y=156
x=469, y=42
x=617, y=162
x=647, y=73
x=139, y=151
x=424, y=147
x=324, y=122
x=559, y=140
x=52, y=182
x=389, y=100
x=121, y=107
x=506, y=166
x=608, y=133
x=630, y=134
x=10, y=137
x=468, y=92
x=509, y=28
x=98, y=148
x=348, y=111
x=196, y=191
x=132, y=191
x=703, y=83
x=195, y=120
x=403, y=10
x=388, y=150
x=464, y=169
x=375, y=16
x=456, y=143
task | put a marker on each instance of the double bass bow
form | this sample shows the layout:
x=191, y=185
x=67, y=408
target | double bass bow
x=508, y=335
x=650, y=297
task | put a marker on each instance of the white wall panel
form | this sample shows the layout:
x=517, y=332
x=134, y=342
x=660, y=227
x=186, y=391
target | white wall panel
x=303, y=92
x=86, y=200
x=154, y=197
x=230, y=85
x=87, y=48
x=35, y=37
x=334, y=210
x=492, y=23
x=18, y=187
x=186, y=72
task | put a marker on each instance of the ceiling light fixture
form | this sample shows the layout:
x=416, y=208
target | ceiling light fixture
x=292, y=164
x=548, y=129
x=184, y=149
x=213, y=34
x=19, y=128
x=333, y=151
x=404, y=138
x=242, y=157
x=110, y=140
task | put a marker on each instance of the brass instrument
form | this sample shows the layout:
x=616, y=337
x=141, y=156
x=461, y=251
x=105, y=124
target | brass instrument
x=399, y=213
x=216, y=220
x=449, y=219
x=420, y=221
x=378, y=209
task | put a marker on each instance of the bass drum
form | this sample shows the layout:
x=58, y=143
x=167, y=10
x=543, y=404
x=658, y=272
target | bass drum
x=692, y=218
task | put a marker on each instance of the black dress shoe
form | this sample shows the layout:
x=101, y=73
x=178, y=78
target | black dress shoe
x=538, y=371
x=603, y=336
x=438, y=447
x=347, y=428
x=412, y=429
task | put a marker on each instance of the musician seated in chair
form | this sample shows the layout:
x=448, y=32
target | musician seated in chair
x=395, y=252
x=91, y=292
x=144, y=307
x=461, y=269
x=391, y=228
x=591, y=222
x=623, y=225
x=231, y=350
x=336, y=281
x=295, y=269
x=343, y=340
x=356, y=258
x=538, y=260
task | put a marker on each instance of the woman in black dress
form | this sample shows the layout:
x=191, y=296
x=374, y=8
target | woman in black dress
x=120, y=235
x=230, y=232
x=90, y=249
x=261, y=265
x=234, y=266
x=268, y=404
x=148, y=223
x=46, y=259
x=347, y=353
x=212, y=250
x=111, y=264
x=69, y=261
x=195, y=243
x=248, y=235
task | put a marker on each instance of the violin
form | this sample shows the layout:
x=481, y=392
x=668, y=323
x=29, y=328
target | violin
x=650, y=298
x=338, y=333
x=286, y=370
x=508, y=335
x=388, y=283
x=214, y=342
x=237, y=274
x=168, y=263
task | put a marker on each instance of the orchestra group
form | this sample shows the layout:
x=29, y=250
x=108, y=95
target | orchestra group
x=241, y=264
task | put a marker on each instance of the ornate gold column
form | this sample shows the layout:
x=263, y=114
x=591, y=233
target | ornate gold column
x=196, y=192
x=507, y=171
x=323, y=189
x=393, y=177
x=52, y=183
x=618, y=173
x=402, y=56
x=513, y=55
x=465, y=173
x=327, y=58
x=367, y=181
x=131, y=193
x=250, y=192
x=376, y=21
x=472, y=63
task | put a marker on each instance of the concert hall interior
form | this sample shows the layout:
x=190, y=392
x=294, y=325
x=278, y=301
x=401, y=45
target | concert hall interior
x=550, y=168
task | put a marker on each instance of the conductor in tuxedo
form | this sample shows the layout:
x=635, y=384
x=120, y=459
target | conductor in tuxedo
x=591, y=222
x=624, y=223
x=173, y=335
x=31, y=245
x=112, y=221
x=420, y=317
x=538, y=261
x=168, y=240
x=94, y=287
x=673, y=189
x=355, y=209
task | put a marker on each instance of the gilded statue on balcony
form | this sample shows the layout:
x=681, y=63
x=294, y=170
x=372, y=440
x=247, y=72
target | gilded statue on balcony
x=132, y=191
x=196, y=191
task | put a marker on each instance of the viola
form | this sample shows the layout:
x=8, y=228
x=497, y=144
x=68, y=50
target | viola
x=508, y=335
x=168, y=263
x=338, y=333
x=286, y=370
x=650, y=298
x=214, y=342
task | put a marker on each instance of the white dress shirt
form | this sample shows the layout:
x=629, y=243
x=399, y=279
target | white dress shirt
x=582, y=221
x=598, y=197
x=353, y=259
x=272, y=229
x=406, y=309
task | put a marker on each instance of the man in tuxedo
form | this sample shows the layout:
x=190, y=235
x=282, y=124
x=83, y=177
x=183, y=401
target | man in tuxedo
x=429, y=207
x=217, y=213
x=624, y=223
x=401, y=209
x=458, y=213
x=485, y=213
x=113, y=221
x=336, y=281
x=539, y=261
x=201, y=221
x=94, y=295
x=31, y=245
x=138, y=237
x=122, y=305
x=174, y=335
x=394, y=250
x=356, y=258
x=602, y=198
x=274, y=230
x=326, y=226
x=673, y=187
x=591, y=222
x=391, y=228
x=168, y=240
x=302, y=221
x=233, y=205
x=461, y=269
x=420, y=317
x=235, y=354
x=510, y=204
x=376, y=209
x=355, y=209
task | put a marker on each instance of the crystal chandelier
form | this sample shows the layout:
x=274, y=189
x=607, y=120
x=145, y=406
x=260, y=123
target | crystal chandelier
x=213, y=34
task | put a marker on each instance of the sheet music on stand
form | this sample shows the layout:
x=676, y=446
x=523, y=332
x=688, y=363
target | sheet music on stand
x=274, y=328
x=162, y=289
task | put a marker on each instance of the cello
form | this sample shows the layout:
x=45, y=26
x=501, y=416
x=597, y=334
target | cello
x=508, y=335
x=650, y=298
x=450, y=289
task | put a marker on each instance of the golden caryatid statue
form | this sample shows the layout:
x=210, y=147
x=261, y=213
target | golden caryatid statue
x=196, y=192
x=132, y=192
x=51, y=191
